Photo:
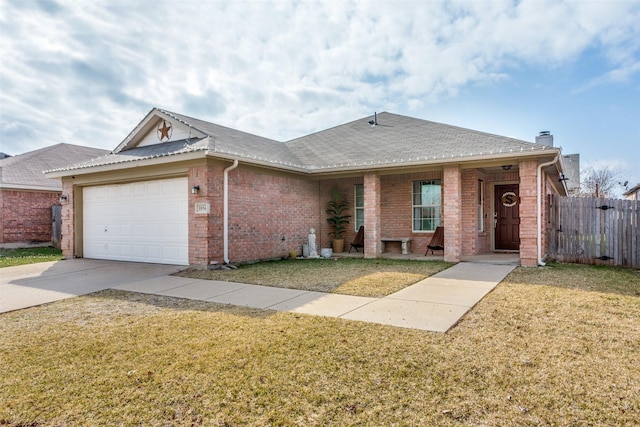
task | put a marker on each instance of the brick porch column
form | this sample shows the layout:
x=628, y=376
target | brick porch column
x=68, y=228
x=528, y=213
x=371, y=215
x=452, y=213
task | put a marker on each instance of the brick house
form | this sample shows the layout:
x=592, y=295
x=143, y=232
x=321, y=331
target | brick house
x=27, y=195
x=184, y=191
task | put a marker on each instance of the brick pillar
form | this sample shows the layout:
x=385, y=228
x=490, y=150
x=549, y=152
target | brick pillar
x=528, y=213
x=215, y=177
x=371, y=215
x=68, y=228
x=198, y=222
x=469, y=236
x=452, y=213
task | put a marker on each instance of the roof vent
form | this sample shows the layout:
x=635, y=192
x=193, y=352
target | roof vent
x=374, y=122
x=545, y=138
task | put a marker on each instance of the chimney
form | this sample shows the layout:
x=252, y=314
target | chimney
x=545, y=138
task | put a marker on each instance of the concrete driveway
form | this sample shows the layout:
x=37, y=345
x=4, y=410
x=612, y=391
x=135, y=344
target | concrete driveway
x=34, y=284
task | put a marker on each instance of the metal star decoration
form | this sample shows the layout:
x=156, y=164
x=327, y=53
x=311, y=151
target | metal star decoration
x=164, y=131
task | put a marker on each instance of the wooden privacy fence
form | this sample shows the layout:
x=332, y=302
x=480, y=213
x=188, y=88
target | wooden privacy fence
x=594, y=231
x=56, y=226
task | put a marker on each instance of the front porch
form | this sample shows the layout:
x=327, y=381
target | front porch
x=479, y=226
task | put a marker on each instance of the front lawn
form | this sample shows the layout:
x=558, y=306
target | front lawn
x=351, y=276
x=533, y=352
x=13, y=257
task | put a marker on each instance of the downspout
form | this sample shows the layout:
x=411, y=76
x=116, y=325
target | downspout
x=225, y=220
x=539, y=214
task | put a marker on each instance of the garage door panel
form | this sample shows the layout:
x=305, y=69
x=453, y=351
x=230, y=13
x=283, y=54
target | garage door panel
x=169, y=208
x=139, y=230
x=139, y=209
x=144, y=221
x=154, y=231
x=154, y=252
x=137, y=189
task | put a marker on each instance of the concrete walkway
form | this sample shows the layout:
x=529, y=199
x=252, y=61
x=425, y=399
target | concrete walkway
x=434, y=304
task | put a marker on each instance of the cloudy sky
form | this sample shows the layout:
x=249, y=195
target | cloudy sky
x=86, y=72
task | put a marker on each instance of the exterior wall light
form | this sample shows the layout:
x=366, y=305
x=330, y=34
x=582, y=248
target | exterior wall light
x=63, y=199
x=195, y=189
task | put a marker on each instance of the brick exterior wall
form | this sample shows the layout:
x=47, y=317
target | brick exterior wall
x=205, y=231
x=269, y=215
x=452, y=212
x=68, y=242
x=396, y=207
x=346, y=188
x=265, y=206
x=26, y=215
x=528, y=214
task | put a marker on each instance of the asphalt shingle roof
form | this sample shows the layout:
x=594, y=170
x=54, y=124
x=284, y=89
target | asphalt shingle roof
x=396, y=140
x=231, y=141
x=26, y=170
x=147, y=152
x=399, y=140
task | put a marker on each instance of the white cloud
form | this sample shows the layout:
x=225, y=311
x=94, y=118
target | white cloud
x=88, y=72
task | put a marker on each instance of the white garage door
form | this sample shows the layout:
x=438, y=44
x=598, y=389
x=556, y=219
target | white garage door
x=141, y=221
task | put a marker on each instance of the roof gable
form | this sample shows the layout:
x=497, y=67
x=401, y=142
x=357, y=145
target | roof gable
x=158, y=127
x=163, y=133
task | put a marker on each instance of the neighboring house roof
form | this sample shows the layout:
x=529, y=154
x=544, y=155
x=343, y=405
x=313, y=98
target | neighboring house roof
x=25, y=171
x=633, y=191
x=571, y=166
x=396, y=141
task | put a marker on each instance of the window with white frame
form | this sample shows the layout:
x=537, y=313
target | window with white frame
x=480, y=205
x=427, y=209
x=359, y=205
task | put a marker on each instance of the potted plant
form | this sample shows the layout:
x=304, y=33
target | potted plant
x=336, y=209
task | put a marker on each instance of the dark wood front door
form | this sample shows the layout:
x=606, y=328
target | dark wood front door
x=507, y=216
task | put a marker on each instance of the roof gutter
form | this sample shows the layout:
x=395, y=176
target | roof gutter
x=539, y=215
x=380, y=165
x=124, y=164
x=225, y=225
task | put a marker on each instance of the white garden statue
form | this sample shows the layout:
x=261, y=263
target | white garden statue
x=313, y=249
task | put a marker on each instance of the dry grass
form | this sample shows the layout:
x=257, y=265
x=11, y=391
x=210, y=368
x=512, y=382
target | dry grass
x=527, y=354
x=574, y=276
x=351, y=276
